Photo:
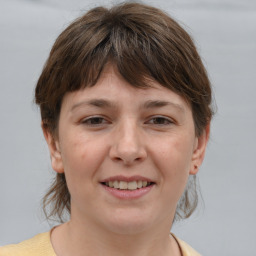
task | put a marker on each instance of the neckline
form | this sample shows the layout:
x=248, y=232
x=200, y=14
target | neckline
x=177, y=241
x=53, y=251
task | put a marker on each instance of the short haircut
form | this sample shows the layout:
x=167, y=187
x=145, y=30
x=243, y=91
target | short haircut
x=143, y=43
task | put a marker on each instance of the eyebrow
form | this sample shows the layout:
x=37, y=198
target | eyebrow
x=160, y=103
x=101, y=103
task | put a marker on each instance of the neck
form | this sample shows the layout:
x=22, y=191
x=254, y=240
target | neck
x=76, y=238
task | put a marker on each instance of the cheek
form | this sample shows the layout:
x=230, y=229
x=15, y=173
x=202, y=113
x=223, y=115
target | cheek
x=175, y=152
x=79, y=150
x=82, y=157
x=173, y=157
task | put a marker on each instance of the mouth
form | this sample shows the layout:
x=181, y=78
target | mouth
x=127, y=185
x=128, y=188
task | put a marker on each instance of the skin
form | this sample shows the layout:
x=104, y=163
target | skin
x=114, y=129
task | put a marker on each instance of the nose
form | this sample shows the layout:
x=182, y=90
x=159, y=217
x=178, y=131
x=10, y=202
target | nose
x=128, y=145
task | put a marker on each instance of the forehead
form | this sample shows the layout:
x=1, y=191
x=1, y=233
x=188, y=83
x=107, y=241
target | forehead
x=113, y=90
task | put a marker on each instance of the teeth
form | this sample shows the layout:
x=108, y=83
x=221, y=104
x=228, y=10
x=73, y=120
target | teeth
x=116, y=184
x=123, y=185
x=132, y=185
x=110, y=184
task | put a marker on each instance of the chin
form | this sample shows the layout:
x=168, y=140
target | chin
x=128, y=228
x=129, y=222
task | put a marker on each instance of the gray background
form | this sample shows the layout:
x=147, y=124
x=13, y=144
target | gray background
x=225, y=33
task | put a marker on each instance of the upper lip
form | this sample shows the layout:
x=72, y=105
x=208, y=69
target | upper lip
x=127, y=179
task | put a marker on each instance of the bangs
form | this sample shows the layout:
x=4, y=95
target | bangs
x=138, y=51
x=129, y=60
x=136, y=58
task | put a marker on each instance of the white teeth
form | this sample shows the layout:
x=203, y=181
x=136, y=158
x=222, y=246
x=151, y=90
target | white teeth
x=132, y=185
x=144, y=184
x=116, y=184
x=123, y=185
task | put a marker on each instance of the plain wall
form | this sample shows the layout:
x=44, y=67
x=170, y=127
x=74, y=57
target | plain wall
x=225, y=33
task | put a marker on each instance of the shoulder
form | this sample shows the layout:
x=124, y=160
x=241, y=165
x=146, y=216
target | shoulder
x=186, y=249
x=38, y=245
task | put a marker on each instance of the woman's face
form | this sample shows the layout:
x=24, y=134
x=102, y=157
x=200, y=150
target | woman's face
x=141, y=141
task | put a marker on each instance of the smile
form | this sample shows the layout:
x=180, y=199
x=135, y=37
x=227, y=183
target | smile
x=128, y=188
x=124, y=185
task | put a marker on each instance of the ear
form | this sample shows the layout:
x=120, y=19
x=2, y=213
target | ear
x=199, y=150
x=54, y=149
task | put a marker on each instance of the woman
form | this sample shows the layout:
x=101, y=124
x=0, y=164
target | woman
x=126, y=108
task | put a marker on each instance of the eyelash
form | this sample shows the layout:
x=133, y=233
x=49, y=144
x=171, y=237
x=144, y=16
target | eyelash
x=162, y=121
x=167, y=121
x=89, y=121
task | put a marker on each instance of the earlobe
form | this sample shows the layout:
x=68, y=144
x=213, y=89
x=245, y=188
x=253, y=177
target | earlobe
x=199, y=150
x=54, y=149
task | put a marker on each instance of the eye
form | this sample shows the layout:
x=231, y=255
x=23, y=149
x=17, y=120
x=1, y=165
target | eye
x=95, y=121
x=160, y=120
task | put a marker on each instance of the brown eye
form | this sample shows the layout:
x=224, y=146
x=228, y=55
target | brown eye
x=160, y=121
x=94, y=121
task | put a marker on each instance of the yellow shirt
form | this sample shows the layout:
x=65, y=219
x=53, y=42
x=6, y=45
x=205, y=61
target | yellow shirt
x=40, y=245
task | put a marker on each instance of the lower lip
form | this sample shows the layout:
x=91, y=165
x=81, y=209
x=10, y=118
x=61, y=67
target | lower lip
x=128, y=194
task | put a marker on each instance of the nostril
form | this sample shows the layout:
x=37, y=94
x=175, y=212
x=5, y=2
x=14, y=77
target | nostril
x=118, y=159
x=127, y=154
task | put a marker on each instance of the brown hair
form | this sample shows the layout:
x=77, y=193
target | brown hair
x=143, y=43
